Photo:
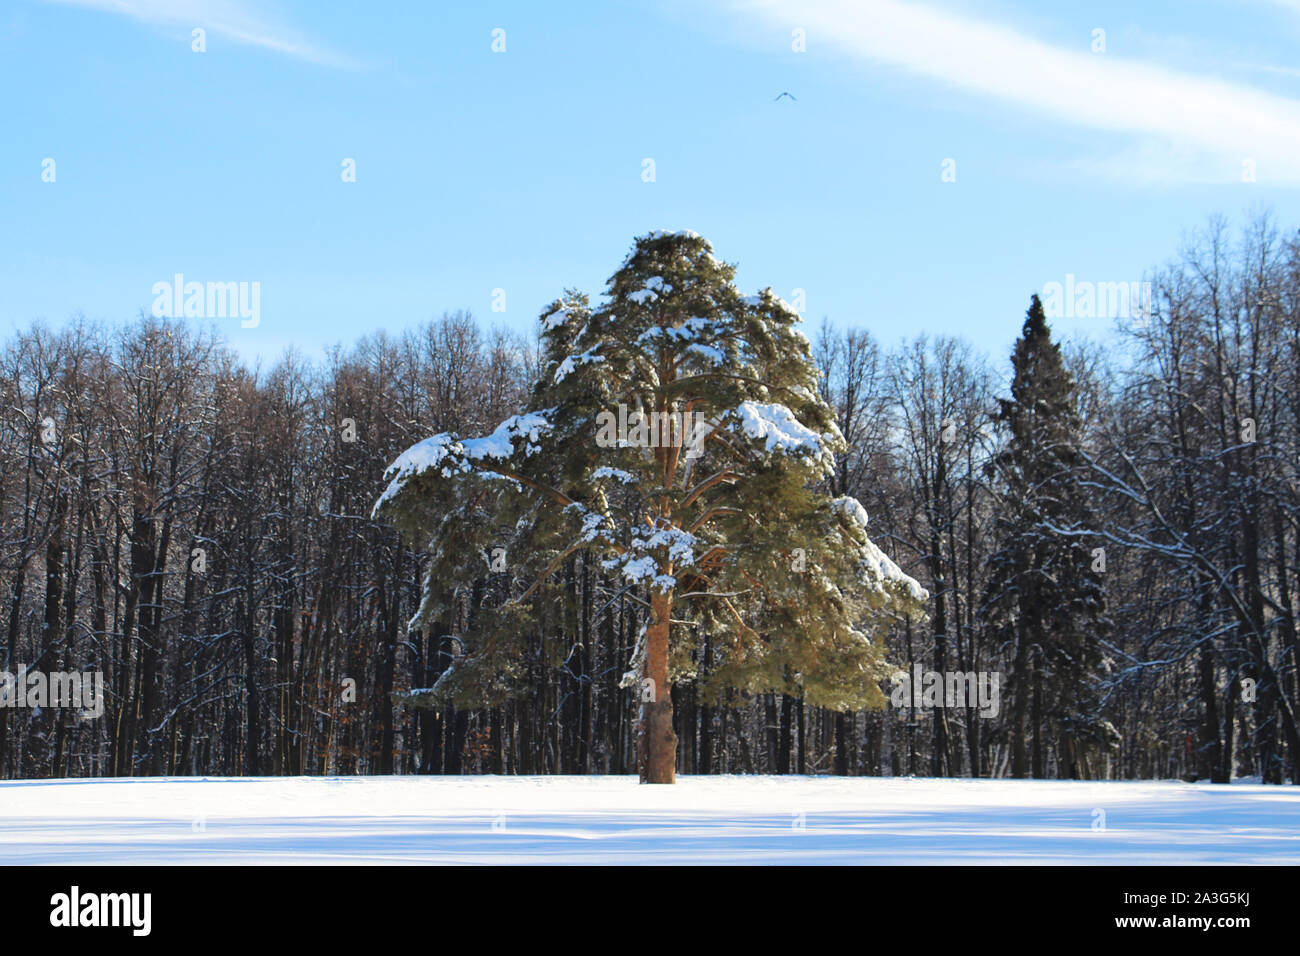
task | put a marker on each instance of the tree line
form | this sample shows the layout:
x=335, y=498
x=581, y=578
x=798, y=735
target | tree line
x=1111, y=530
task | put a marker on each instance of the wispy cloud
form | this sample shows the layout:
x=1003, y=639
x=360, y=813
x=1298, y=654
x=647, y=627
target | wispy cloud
x=1290, y=71
x=1218, y=123
x=231, y=19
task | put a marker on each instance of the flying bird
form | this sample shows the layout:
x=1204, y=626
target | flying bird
x=786, y=94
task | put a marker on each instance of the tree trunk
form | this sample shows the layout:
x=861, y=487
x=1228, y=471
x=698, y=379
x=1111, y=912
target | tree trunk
x=784, y=746
x=658, y=743
x=1038, y=768
x=1210, y=763
x=1019, y=759
x=1229, y=756
x=801, y=765
x=841, y=744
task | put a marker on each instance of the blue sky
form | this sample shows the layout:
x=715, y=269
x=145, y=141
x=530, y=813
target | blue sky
x=522, y=170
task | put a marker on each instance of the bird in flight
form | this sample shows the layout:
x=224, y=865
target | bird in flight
x=786, y=94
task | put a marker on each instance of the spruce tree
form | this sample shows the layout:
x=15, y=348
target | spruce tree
x=1045, y=590
x=678, y=435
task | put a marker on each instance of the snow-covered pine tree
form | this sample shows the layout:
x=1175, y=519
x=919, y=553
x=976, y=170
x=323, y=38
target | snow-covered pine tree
x=1044, y=595
x=678, y=434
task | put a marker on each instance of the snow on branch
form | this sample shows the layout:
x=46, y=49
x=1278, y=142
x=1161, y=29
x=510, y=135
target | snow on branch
x=778, y=429
x=650, y=550
x=873, y=563
x=851, y=508
x=618, y=474
x=452, y=456
x=556, y=319
x=882, y=569
x=650, y=290
x=567, y=367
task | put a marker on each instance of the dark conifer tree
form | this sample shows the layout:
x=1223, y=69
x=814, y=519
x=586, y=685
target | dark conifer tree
x=1045, y=592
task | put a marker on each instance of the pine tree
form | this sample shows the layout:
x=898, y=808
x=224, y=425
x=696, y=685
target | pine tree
x=1045, y=591
x=676, y=434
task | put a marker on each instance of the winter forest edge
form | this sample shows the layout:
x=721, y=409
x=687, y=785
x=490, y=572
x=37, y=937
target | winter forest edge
x=417, y=556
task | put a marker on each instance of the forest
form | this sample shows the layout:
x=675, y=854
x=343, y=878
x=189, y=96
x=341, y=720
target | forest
x=1111, y=524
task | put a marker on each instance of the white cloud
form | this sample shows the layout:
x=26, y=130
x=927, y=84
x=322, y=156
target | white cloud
x=231, y=19
x=1219, y=122
x=1289, y=71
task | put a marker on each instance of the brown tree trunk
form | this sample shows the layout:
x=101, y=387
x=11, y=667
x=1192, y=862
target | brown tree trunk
x=658, y=743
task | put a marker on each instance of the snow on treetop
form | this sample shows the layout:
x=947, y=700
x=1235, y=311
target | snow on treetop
x=453, y=455
x=553, y=320
x=665, y=234
x=776, y=426
x=679, y=234
x=768, y=296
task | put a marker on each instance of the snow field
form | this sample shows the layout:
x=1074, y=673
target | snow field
x=602, y=820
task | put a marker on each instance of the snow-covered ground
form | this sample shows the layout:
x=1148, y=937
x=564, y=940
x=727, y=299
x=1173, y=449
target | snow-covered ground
x=614, y=820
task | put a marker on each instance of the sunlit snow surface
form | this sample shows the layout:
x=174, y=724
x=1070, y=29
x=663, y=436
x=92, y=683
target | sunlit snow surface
x=758, y=820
